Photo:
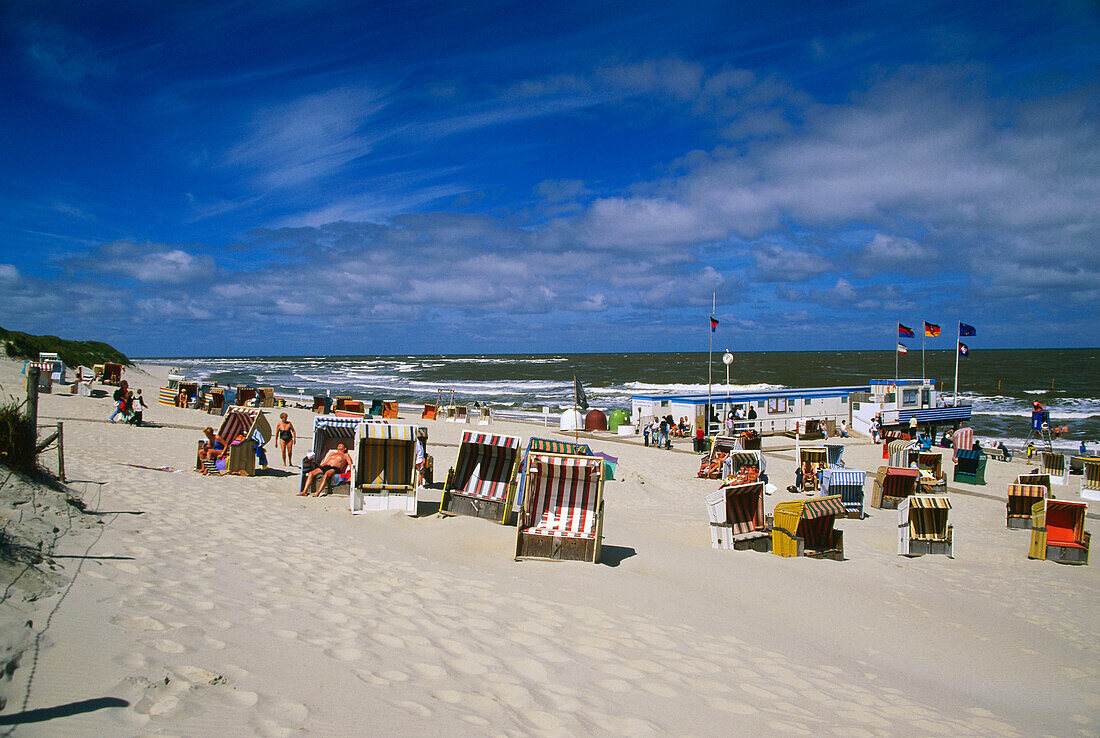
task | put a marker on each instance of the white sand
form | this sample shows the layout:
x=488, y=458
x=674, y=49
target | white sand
x=229, y=606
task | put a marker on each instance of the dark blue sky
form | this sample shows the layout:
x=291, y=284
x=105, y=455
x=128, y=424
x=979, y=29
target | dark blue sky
x=323, y=177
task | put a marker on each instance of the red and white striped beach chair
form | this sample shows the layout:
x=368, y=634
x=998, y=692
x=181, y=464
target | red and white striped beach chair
x=562, y=514
x=961, y=440
x=737, y=517
x=482, y=482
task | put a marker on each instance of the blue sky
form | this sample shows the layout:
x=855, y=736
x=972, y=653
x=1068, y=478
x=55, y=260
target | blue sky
x=328, y=177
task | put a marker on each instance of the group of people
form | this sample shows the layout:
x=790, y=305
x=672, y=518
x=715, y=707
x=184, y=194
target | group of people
x=656, y=433
x=337, y=462
x=129, y=404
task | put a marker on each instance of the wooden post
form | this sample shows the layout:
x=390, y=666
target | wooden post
x=32, y=396
x=61, y=451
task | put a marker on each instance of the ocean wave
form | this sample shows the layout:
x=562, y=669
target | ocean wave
x=692, y=389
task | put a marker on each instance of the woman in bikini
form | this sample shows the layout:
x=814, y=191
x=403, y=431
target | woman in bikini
x=286, y=438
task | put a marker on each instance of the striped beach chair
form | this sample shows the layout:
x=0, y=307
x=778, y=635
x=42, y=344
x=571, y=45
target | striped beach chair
x=328, y=432
x=1055, y=464
x=923, y=527
x=848, y=483
x=544, y=446
x=1090, y=478
x=892, y=485
x=805, y=528
x=167, y=396
x=244, y=428
x=930, y=465
x=562, y=514
x=385, y=477
x=482, y=483
x=900, y=453
x=1022, y=496
x=836, y=454
x=818, y=459
x=961, y=440
x=737, y=517
x=969, y=466
x=1058, y=532
x=429, y=412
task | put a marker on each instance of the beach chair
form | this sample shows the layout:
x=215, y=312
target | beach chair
x=1055, y=464
x=385, y=475
x=482, y=483
x=544, y=446
x=322, y=404
x=266, y=396
x=1058, y=532
x=1090, y=478
x=892, y=485
x=376, y=408
x=485, y=415
x=930, y=465
x=805, y=528
x=389, y=409
x=818, y=458
x=969, y=466
x=328, y=432
x=215, y=400
x=901, y=453
x=923, y=527
x=112, y=374
x=346, y=407
x=1022, y=496
x=737, y=517
x=848, y=483
x=167, y=396
x=429, y=412
x=246, y=394
x=245, y=428
x=562, y=514
x=460, y=414
x=449, y=416
x=961, y=440
x=835, y=452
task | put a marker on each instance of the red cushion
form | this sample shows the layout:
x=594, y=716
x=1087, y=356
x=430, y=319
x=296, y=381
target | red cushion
x=1061, y=525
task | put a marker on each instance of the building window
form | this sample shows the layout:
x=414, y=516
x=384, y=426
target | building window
x=807, y=401
x=909, y=397
x=890, y=397
x=760, y=403
x=777, y=404
x=843, y=400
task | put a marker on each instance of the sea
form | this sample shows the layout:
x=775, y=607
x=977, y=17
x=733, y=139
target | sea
x=1001, y=385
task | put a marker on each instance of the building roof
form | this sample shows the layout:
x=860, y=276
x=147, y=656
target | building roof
x=749, y=396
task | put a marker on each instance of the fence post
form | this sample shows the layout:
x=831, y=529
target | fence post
x=32, y=396
x=61, y=450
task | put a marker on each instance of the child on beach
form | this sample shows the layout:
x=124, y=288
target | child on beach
x=287, y=436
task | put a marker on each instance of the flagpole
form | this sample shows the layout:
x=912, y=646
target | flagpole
x=923, y=334
x=576, y=429
x=710, y=354
x=957, y=342
x=897, y=343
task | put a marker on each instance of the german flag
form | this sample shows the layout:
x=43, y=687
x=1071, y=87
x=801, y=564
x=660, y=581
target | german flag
x=931, y=329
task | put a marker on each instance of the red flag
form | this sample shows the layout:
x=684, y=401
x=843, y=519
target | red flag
x=713, y=324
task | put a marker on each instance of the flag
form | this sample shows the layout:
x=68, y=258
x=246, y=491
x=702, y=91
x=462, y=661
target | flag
x=578, y=394
x=713, y=324
x=931, y=329
x=964, y=350
x=902, y=349
x=966, y=330
x=904, y=331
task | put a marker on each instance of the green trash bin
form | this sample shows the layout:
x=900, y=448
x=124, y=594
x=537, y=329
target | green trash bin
x=615, y=419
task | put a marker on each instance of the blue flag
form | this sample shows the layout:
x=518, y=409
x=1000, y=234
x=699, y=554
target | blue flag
x=966, y=330
x=964, y=350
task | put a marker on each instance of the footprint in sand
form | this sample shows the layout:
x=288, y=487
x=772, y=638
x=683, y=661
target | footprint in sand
x=345, y=654
x=167, y=646
x=429, y=671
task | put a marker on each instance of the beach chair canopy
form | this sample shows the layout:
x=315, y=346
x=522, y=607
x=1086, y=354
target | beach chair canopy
x=822, y=507
x=247, y=421
x=385, y=455
x=1090, y=474
x=551, y=446
x=806, y=527
x=968, y=459
x=563, y=495
x=486, y=465
x=816, y=455
x=835, y=479
x=898, y=452
x=741, y=506
x=329, y=431
x=836, y=453
x=962, y=439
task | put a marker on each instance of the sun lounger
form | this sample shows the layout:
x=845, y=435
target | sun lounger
x=737, y=517
x=1056, y=465
x=892, y=485
x=562, y=514
x=328, y=432
x=1022, y=496
x=243, y=428
x=1058, y=532
x=848, y=483
x=805, y=528
x=923, y=527
x=482, y=483
x=385, y=476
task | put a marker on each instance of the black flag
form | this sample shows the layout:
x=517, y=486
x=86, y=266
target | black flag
x=578, y=394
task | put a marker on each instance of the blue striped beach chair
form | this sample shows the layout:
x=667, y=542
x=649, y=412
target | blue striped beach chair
x=482, y=483
x=328, y=432
x=848, y=483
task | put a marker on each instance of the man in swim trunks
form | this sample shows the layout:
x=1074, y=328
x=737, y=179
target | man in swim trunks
x=215, y=446
x=335, y=462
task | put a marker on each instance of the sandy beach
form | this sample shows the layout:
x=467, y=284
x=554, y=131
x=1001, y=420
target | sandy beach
x=196, y=605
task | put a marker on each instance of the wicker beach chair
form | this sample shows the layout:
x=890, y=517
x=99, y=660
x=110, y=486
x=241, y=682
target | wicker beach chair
x=969, y=466
x=1058, y=532
x=805, y=528
x=429, y=412
x=243, y=428
x=328, y=432
x=385, y=475
x=930, y=465
x=1090, y=478
x=836, y=455
x=562, y=514
x=923, y=527
x=818, y=459
x=389, y=409
x=848, y=483
x=901, y=453
x=1055, y=464
x=892, y=485
x=961, y=440
x=482, y=483
x=544, y=446
x=737, y=517
x=1022, y=496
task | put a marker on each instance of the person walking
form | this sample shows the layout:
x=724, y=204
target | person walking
x=286, y=438
x=119, y=397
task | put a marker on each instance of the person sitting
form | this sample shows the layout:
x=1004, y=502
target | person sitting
x=214, y=448
x=336, y=461
x=1004, y=450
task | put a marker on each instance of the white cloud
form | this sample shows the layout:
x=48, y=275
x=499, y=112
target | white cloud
x=8, y=274
x=150, y=263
